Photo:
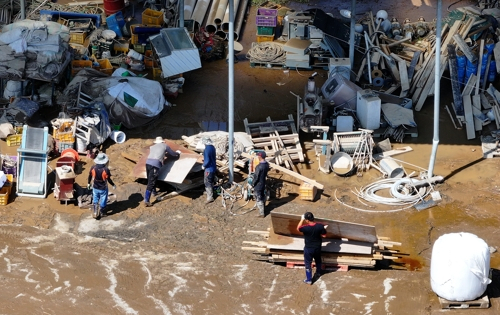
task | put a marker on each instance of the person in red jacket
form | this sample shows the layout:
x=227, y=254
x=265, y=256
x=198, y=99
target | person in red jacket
x=313, y=237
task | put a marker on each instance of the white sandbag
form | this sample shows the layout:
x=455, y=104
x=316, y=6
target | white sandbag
x=19, y=46
x=460, y=266
x=52, y=27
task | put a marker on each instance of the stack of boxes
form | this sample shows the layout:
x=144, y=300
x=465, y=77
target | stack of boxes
x=266, y=21
x=78, y=30
x=6, y=189
x=64, y=134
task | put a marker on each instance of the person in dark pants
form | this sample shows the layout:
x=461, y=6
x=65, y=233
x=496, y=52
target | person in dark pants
x=259, y=182
x=100, y=174
x=210, y=167
x=154, y=162
x=313, y=237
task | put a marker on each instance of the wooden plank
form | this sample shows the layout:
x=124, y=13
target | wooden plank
x=282, y=144
x=286, y=224
x=469, y=86
x=289, y=172
x=469, y=118
x=465, y=48
x=484, y=101
x=481, y=51
x=403, y=73
x=284, y=242
x=413, y=64
x=496, y=52
x=396, y=151
x=449, y=37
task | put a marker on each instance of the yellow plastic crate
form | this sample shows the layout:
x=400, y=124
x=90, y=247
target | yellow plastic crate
x=14, y=140
x=307, y=191
x=121, y=45
x=77, y=37
x=9, y=183
x=152, y=17
x=157, y=74
x=265, y=38
x=105, y=66
x=77, y=65
x=4, y=196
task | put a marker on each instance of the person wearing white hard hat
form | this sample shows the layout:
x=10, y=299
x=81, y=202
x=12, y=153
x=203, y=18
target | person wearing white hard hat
x=157, y=154
x=101, y=176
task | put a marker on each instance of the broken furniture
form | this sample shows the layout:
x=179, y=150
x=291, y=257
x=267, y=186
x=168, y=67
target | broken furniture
x=32, y=159
x=279, y=139
x=358, y=145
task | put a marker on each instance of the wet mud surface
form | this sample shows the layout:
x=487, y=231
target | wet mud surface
x=184, y=257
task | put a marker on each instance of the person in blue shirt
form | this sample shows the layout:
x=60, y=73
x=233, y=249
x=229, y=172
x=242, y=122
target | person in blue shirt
x=313, y=237
x=259, y=183
x=209, y=166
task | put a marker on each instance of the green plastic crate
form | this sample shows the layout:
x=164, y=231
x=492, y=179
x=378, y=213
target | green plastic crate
x=265, y=30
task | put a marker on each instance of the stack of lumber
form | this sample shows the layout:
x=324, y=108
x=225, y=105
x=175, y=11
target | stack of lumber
x=279, y=139
x=348, y=244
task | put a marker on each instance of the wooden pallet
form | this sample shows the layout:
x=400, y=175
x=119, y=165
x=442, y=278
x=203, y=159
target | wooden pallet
x=279, y=139
x=329, y=267
x=267, y=65
x=483, y=302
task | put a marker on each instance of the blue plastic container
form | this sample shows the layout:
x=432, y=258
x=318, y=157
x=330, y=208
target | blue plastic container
x=461, y=63
x=470, y=69
x=96, y=18
x=116, y=22
x=492, y=72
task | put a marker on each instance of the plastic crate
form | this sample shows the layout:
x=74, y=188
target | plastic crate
x=61, y=146
x=77, y=37
x=105, y=66
x=267, y=12
x=9, y=183
x=14, y=140
x=157, y=74
x=148, y=59
x=265, y=30
x=77, y=65
x=115, y=22
x=264, y=20
x=4, y=196
x=139, y=33
x=152, y=17
x=264, y=38
x=121, y=46
x=140, y=48
x=307, y=191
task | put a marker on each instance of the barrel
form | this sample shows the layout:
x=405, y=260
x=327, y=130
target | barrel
x=470, y=69
x=461, y=62
x=492, y=72
x=113, y=6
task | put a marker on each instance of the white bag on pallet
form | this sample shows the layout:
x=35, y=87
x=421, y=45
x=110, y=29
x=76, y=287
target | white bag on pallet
x=460, y=266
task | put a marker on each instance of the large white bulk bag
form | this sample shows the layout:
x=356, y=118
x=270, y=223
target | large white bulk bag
x=460, y=265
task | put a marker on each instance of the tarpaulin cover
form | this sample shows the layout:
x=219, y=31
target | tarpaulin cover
x=111, y=91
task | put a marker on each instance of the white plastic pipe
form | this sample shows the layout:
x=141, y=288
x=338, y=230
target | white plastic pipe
x=221, y=9
x=211, y=27
x=200, y=10
x=188, y=8
x=225, y=21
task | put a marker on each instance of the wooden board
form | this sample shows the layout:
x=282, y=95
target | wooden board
x=469, y=118
x=283, y=242
x=286, y=224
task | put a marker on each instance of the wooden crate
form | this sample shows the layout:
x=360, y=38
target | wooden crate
x=482, y=302
x=152, y=17
x=307, y=191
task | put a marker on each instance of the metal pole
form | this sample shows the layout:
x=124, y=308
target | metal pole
x=23, y=9
x=437, y=88
x=181, y=13
x=352, y=33
x=231, y=91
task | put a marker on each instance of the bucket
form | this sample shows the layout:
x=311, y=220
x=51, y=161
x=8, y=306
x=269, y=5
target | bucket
x=118, y=136
x=342, y=164
x=393, y=169
x=113, y=6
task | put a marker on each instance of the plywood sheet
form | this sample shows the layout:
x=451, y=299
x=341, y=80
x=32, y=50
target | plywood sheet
x=177, y=167
x=286, y=224
x=283, y=242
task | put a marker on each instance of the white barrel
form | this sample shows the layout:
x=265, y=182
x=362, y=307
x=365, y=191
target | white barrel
x=118, y=136
x=392, y=168
x=460, y=265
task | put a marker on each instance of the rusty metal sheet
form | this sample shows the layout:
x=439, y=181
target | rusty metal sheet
x=182, y=166
x=286, y=224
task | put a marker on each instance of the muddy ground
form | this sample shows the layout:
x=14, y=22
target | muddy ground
x=183, y=257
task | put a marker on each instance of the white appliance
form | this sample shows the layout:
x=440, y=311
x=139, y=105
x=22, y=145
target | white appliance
x=341, y=91
x=340, y=65
x=368, y=107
